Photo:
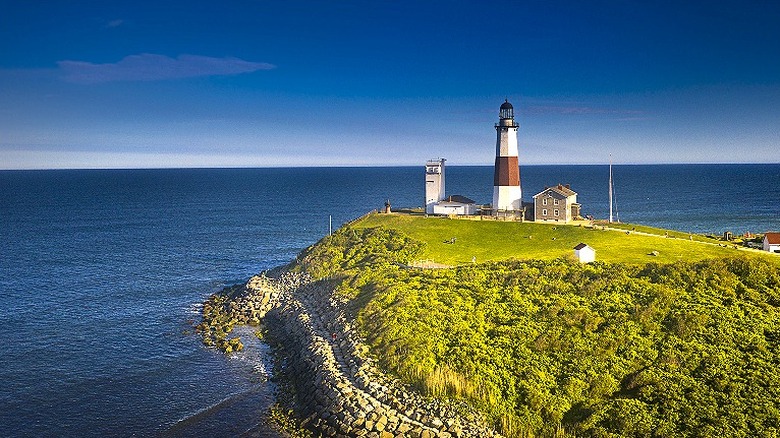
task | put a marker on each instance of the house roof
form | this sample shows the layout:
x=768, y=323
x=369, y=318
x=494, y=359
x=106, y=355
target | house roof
x=772, y=238
x=458, y=198
x=581, y=246
x=561, y=189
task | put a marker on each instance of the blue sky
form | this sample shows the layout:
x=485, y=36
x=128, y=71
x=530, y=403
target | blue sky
x=299, y=83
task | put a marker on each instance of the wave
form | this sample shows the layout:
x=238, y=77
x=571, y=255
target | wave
x=236, y=415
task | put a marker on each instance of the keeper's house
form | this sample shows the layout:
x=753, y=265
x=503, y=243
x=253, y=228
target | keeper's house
x=772, y=242
x=558, y=204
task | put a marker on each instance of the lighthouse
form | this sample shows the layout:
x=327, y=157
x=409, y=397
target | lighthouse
x=507, y=194
x=434, y=183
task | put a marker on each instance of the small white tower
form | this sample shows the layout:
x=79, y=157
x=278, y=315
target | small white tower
x=507, y=194
x=434, y=183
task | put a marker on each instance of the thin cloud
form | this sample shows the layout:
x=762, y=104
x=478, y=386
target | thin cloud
x=150, y=67
x=113, y=23
x=632, y=119
x=576, y=110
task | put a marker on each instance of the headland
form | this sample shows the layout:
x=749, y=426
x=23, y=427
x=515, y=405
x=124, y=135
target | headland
x=523, y=341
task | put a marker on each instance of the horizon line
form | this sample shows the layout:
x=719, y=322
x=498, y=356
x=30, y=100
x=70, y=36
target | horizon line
x=377, y=166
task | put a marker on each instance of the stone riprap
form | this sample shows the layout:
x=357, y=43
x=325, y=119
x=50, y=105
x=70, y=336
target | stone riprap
x=338, y=387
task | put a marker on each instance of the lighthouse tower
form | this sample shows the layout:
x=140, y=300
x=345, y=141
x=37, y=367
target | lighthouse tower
x=507, y=194
x=434, y=183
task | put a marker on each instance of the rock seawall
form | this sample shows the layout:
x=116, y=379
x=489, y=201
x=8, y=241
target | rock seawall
x=339, y=389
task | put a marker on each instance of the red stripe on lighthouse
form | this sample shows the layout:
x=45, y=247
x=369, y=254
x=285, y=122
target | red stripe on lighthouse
x=507, y=172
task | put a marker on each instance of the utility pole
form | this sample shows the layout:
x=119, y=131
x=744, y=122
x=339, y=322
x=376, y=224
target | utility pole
x=610, y=188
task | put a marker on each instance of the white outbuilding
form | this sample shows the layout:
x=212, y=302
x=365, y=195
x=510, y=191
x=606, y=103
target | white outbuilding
x=772, y=242
x=455, y=205
x=584, y=253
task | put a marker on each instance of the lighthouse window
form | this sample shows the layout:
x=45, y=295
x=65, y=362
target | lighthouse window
x=555, y=212
x=544, y=212
x=555, y=201
x=544, y=202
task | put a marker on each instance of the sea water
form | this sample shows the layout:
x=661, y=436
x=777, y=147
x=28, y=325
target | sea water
x=102, y=274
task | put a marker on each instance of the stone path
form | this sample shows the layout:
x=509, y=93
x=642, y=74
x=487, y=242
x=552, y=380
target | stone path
x=340, y=390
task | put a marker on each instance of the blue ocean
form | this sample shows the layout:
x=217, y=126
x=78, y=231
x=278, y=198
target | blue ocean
x=102, y=273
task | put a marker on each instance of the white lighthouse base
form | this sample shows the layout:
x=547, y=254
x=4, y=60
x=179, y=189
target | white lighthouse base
x=507, y=198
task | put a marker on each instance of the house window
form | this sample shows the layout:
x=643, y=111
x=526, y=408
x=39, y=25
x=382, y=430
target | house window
x=544, y=211
x=555, y=212
x=544, y=202
x=555, y=201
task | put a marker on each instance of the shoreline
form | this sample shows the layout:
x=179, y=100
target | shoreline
x=244, y=413
x=337, y=388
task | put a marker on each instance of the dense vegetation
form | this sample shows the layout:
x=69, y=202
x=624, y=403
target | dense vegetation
x=553, y=347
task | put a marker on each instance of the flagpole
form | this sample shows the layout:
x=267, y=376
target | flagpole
x=610, y=188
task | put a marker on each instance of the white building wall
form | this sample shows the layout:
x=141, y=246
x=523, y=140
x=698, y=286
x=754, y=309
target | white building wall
x=507, y=197
x=506, y=142
x=771, y=248
x=585, y=255
x=456, y=209
x=434, y=183
x=565, y=207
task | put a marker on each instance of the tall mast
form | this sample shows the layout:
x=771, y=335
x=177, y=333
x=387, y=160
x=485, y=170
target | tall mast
x=610, y=188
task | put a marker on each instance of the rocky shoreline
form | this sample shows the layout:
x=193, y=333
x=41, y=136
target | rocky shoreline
x=339, y=391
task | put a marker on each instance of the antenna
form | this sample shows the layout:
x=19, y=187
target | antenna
x=610, y=188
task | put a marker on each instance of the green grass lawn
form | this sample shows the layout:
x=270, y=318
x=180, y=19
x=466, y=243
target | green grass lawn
x=659, y=231
x=490, y=240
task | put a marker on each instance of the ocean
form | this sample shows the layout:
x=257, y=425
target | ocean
x=102, y=273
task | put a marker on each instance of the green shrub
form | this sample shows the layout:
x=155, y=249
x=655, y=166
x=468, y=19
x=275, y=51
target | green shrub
x=549, y=348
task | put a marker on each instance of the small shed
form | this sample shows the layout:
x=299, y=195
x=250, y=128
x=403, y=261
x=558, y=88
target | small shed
x=455, y=205
x=772, y=242
x=584, y=253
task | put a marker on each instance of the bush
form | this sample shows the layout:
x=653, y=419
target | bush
x=544, y=347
